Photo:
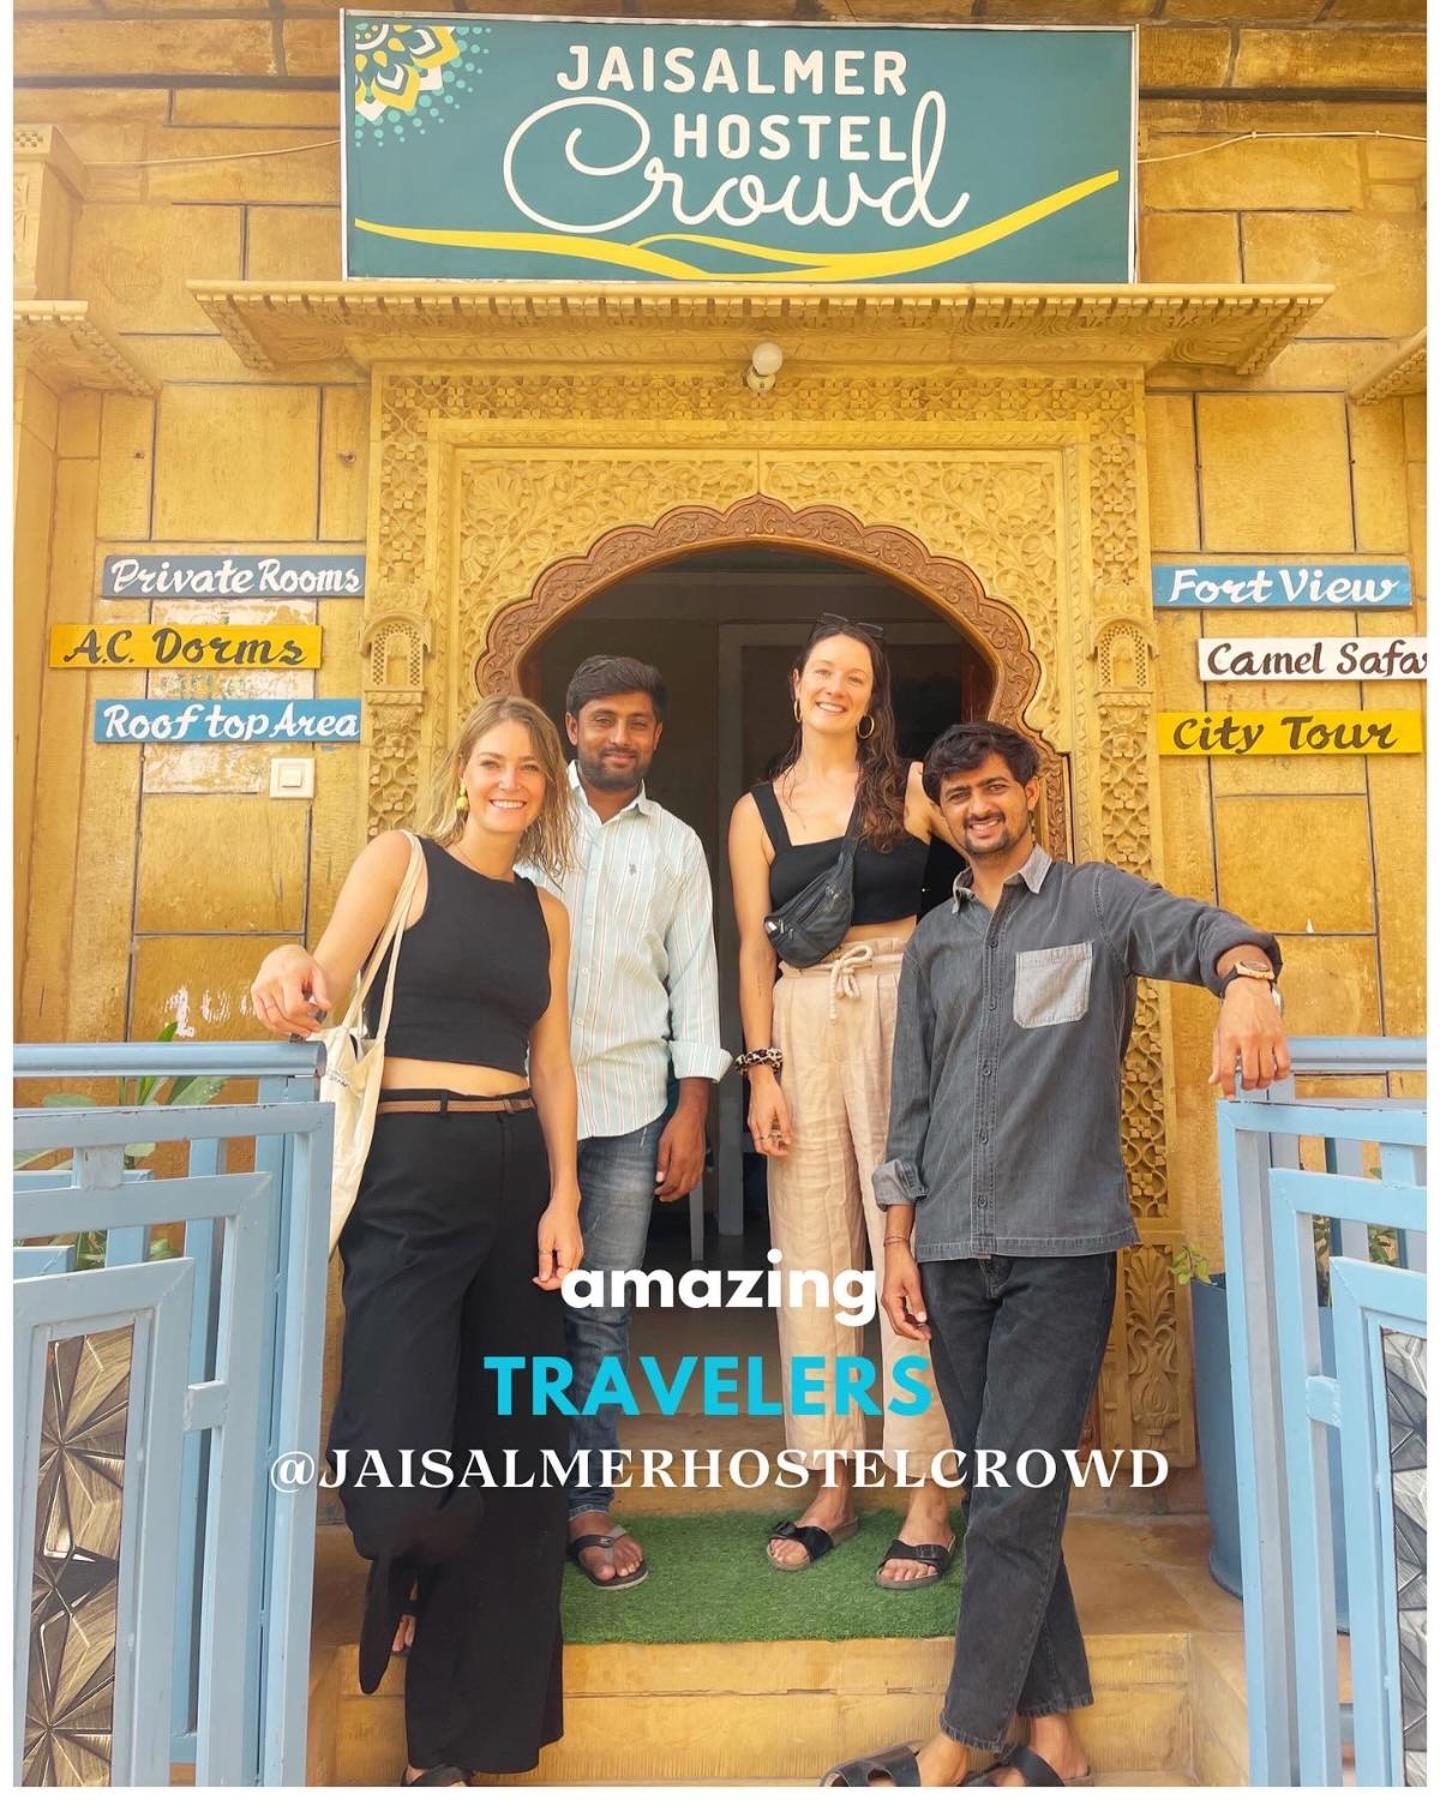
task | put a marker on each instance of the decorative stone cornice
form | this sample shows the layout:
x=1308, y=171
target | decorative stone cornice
x=63, y=345
x=1401, y=372
x=1239, y=328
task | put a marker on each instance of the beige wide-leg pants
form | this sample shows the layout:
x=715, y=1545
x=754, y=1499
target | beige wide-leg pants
x=835, y=1025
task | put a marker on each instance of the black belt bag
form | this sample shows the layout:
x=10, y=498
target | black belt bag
x=812, y=923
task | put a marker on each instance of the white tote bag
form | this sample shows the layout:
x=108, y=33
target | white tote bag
x=354, y=1064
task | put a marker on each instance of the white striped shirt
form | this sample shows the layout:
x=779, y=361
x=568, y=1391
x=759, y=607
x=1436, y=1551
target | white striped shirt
x=644, y=992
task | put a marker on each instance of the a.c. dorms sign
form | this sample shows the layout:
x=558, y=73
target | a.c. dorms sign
x=563, y=149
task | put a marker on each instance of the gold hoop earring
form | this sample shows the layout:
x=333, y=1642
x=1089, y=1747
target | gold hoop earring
x=797, y=712
x=462, y=805
x=863, y=735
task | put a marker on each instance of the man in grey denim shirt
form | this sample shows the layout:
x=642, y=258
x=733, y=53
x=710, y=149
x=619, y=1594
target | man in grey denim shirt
x=1015, y=1008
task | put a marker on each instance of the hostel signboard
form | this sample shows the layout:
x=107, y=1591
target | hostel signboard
x=553, y=149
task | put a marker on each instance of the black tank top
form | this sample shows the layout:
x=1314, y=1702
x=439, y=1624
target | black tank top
x=474, y=972
x=887, y=882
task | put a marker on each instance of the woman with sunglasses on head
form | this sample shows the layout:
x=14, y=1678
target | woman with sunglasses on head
x=465, y=1225
x=818, y=1049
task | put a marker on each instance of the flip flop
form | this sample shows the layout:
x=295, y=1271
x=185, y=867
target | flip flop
x=442, y=1775
x=898, y=1762
x=936, y=1557
x=605, y=1540
x=816, y=1542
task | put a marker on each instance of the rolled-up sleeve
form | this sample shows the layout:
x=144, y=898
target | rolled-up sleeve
x=899, y=1180
x=692, y=979
x=1167, y=937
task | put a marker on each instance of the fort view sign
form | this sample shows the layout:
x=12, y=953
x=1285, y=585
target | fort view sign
x=553, y=149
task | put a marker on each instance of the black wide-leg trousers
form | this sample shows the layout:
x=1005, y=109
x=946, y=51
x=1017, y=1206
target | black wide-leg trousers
x=439, y=1257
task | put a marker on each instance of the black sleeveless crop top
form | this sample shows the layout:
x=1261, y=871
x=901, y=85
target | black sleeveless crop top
x=474, y=972
x=888, y=883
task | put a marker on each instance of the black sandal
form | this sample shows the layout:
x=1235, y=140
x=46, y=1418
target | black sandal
x=816, y=1542
x=442, y=1775
x=936, y=1557
x=1032, y=1768
x=898, y=1762
x=605, y=1540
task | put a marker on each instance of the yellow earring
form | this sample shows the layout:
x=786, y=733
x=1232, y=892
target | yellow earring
x=462, y=804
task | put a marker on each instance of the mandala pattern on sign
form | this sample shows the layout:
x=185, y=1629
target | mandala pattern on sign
x=406, y=71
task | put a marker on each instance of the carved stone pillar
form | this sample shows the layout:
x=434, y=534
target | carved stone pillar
x=1145, y=1385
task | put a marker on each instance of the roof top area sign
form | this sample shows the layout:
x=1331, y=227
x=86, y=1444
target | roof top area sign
x=551, y=149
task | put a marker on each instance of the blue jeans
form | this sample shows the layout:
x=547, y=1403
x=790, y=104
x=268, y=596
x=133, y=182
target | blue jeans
x=1017, y=1347
x=617, y=1190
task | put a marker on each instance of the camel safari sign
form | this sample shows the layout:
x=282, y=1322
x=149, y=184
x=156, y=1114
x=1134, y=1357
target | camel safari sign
x=552, y=149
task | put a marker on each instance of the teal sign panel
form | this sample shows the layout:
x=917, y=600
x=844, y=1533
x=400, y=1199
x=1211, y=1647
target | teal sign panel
x=227, y=721
x=1279, y=587
x=564, y=150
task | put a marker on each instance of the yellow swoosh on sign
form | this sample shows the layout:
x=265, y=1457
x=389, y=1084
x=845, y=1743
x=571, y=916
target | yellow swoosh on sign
x=858, y=265
x=816, y=266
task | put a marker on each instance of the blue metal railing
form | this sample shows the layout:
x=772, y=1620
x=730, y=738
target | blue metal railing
x=1373, y=1156
x=224, y=1372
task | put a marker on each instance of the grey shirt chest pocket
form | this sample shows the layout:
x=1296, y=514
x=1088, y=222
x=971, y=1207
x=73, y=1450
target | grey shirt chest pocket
x=1052, y=987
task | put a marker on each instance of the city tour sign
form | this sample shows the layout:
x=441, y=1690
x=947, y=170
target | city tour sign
x=1293, y=733
x=555, y=149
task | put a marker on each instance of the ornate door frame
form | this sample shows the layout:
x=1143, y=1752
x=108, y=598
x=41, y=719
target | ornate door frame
x=1012, y=499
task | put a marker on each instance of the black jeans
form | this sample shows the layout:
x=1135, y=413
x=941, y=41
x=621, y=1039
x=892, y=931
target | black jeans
x=440, y=1258
x=1017, y=1345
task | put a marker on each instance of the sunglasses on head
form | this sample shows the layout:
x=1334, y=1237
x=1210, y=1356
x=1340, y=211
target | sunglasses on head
x=829, y=622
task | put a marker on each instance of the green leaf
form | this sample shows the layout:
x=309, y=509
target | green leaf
x=68, y=1100
x=195, y=1090
x=149, y=1083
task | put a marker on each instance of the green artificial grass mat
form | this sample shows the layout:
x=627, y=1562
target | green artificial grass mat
x=711, y=1583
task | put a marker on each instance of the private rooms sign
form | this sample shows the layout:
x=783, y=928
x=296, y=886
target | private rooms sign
x=551, y=149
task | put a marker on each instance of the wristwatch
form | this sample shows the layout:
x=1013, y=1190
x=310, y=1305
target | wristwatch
x=1246, y=971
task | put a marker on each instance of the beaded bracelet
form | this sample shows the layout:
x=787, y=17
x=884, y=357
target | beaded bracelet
x=769, y=1058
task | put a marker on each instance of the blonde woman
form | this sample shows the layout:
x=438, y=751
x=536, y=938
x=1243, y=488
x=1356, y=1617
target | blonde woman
x=465, y=1225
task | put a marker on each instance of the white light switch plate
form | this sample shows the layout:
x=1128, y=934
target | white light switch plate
x=292, y=778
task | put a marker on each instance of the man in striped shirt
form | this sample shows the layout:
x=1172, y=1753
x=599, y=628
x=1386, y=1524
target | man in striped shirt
x=644, y=1003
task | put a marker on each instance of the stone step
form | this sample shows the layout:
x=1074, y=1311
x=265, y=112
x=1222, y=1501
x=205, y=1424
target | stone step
x=756, y=1713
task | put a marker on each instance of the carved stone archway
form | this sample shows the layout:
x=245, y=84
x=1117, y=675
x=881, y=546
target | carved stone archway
x=1012, y=500
x=947, y=585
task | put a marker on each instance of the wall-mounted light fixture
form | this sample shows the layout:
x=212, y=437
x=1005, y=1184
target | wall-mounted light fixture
x=765, y=361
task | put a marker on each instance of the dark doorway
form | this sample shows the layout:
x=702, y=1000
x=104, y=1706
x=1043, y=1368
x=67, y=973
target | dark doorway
x=722, y=627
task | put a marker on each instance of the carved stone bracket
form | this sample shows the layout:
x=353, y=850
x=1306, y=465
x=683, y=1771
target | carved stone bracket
x=64, y=346
x=1402, y=372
